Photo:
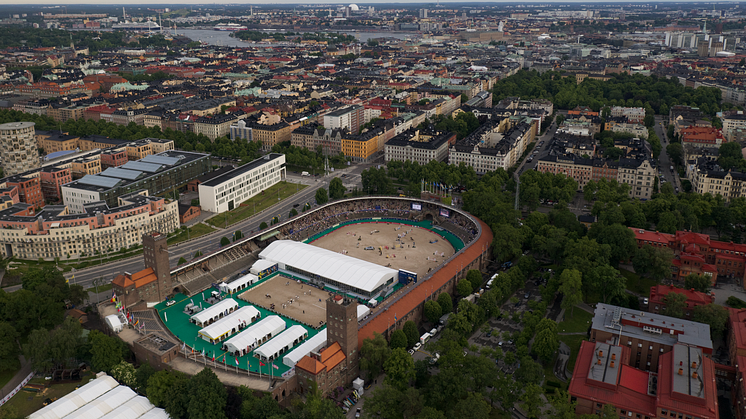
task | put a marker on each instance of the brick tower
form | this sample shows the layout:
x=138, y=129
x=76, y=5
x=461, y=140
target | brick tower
x=341, y=325
x=155, y=253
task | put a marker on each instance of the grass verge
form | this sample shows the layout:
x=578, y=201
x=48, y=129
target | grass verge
x=573, y=341
x=5, y=376
x=101, y=288
x=26, y=403
x=257, y=204
x=196, y=230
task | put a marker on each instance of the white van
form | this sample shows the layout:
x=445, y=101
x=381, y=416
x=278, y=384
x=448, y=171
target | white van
x=305, y=174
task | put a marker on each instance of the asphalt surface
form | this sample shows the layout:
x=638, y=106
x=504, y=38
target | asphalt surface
x=663, y=160
x=211, y=242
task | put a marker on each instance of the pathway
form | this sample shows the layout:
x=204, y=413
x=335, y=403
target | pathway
x=17, y=378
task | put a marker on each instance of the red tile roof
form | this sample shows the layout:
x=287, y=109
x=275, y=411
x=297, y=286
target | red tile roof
x=667, y=400
x=310, y=364
x=737, y=321
x=693, y=298
x=420, y=293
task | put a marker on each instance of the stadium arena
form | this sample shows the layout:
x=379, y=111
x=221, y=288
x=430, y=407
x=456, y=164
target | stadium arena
x=259, y=305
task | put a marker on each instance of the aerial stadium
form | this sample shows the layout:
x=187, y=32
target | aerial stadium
x=295, y=302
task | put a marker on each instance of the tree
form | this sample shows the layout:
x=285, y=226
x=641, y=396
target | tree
x=9, y=349
x=263, y=225
x=224, y=242
x=410, y=329
x=474, y=277
x=433, y=311
x=562, y=407
x=697, y=282
x=336, y=189
x=207, y=396
x=181, y=261
x=713, y=314
x=373, y=354
x=571, y=287
x=161, y=384
x=399, y=368
x=124, y=372
x=446, y=303
x=546, y=344
x=532, y=401
x=106, y=351
x=464, y=288
x=608, y=282
x=654, y=262
x=529, y=372
x=321, y=196
x=142, y=375
x=620, y=238
x=675, y=304
x=472, y=407
x=398, y=339
x=293, y=213
x=675, y=153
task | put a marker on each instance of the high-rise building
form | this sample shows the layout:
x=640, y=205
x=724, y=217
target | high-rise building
x=18, y=151
x=423, y=13
x=155, y=253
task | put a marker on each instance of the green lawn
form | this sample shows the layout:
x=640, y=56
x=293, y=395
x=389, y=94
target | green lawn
x=576, y=321
x=196, y=230
x=573, y=341
x=101, y=288
x=5, y=376
x=26, y=403
x=637, y=284
x=257, y=204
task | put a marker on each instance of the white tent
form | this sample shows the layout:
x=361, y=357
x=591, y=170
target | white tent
x=282, y=343
x=155, y=413
x=313, y=344
x=230, y=325
x=214, y=313
x=362, y=311
x=239, y=284
x=77, y=399
x=261, y=265
x=335, y=269
x=255, y=335
x=114, y=323
x=103, y=404
x=132, y=409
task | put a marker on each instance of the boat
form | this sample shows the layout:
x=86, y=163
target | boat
x=137, y=26
x=229, y=27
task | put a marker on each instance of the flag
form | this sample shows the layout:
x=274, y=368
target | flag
x=203, y=353
x=183, y=346
x=236, y=361
x=138, y=321
x=394, y=317
x=261, y=364
x=275, y=367
x=213, y=357
x=113, y=297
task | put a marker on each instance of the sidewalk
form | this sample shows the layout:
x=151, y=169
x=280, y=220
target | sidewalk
x=18, y=378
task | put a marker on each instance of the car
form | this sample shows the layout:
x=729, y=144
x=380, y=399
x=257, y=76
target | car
x=170, y=303
x=510, y=342
x=530, y=159
x=518, y=304
x=295, y=205
x=411, y=351
x=370, y=248
x=500, y=343
x=358, y=412
x=417, y=346
x=645, y=301
x=527, y=295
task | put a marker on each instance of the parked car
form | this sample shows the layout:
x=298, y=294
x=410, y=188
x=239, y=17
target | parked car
x=370, y=248
x=417, y=346
x=359, y=412
x=645, y=301
x=411, y=351
x=170, y=303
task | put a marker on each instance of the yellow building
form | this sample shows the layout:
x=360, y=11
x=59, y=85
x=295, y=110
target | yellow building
x=138, y=150
x=52, y=142
x=362, y=148
x=90, y=165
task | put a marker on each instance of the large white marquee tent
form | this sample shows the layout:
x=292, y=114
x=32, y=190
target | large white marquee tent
x=229, y=325
x=255, y=335
x=281, y=343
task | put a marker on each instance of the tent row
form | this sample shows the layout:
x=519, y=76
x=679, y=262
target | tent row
x=214, y=313
x=255, y=335
x=313, y=344
x=239, y=284
x=227, y=326
x=282, y=343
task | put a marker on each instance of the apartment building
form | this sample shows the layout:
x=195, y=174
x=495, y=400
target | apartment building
x=623, y=125
x=418, y=146
x=734, y=125
x=639, y=174
x=696, y=253
x=29, y=188
x=54, y=232
x=270, y=133
x=228, y=190
x=52, y=179
x=54, y=141
x=708, y=177
x=155, y=173
x=86, y=165
x=494, y=145
x=363, y=148
x=312, y=136
x=215, y=126
x=659, y=293
x=633, y=115
x=18, y=151
x=351, y=118
x=702, y=137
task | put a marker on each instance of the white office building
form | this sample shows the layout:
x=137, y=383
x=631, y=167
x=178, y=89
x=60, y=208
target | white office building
x=230, y=189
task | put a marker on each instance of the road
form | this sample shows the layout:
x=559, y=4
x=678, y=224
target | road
x=663, y=160
x=211, y=242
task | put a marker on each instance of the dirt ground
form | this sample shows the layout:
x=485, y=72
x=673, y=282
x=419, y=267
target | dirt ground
x=407, y=258
x=305, y=308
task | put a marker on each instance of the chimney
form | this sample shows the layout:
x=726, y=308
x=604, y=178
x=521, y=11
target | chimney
x=681, y=371
x=694, y=374
x=611, y=365
x=613, y=357
x=599, y=361
x=600, y=353
x=694, y=364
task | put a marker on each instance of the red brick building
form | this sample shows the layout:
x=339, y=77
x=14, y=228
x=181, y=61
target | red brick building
x=114, y=158
x=151, y=284
x=684, y=386
x=29, y=190
x=188, y=212
x=697, y=253
x=52, y=179
x=658, y=293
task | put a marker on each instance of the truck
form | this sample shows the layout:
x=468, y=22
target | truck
x=444, y=318
x=424, y=338
x=305, y=174
x=672, y=168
